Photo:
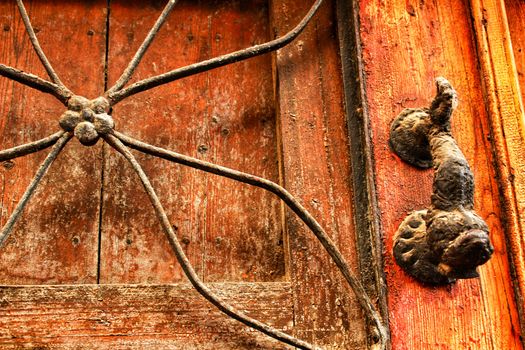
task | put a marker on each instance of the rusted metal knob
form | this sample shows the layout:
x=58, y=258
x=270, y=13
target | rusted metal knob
x=447, y=241
x=88, y=119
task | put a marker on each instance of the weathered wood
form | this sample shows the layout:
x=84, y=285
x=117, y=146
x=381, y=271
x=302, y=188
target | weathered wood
x=515, y=12
x=316, y=168
x=231, y=231
x=139, y=316
x=366, y=217
x=405, y=46
x=228, y=116
x=55, y=240
x=235, y=232
x=506, y=115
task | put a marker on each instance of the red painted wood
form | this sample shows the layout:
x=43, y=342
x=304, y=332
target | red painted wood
x=496, y=36
x=55, y=240
x=405, y=46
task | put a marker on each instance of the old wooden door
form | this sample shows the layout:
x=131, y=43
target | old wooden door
x=88, y=266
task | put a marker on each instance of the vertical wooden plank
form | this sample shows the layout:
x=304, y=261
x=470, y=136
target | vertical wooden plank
x=515, y=11
x=230, y=231
x=406, y=44
x=55, y=240
x=501, y=43
x=316, y=169
x=366, y=216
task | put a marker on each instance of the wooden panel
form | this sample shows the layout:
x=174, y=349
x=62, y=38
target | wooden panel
x=515, y=11
x=139, y=317
x=316, y=168
x=511, y=137
x=406, y=44
x=56, y=238
x=231, y=231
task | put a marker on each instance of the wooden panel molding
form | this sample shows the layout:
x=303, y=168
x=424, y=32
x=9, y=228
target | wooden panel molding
x=503, y=98
x=139, y=316
x=317, y=168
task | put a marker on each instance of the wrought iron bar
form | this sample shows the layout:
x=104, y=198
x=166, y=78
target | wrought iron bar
x=186, y=265
x=55, y=151
x=126, y=75
x=36, y=45
x=35, y=82
x=284, y=195
x=150, y=83
x=30, y=147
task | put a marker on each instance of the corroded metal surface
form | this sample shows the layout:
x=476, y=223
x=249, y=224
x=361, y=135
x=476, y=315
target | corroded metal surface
x=448, y=240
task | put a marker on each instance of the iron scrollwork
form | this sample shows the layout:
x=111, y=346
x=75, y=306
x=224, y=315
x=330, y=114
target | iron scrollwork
x=90, y=120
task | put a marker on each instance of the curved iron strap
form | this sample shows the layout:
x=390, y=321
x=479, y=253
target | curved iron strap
x=89, y=120
x=34, y=41
x=150, y=83
x=186, y=265
x=128, y=72
x=42, y=170
x=55, y=88
x=30, y=147
x=35, y=82
x=285, y=196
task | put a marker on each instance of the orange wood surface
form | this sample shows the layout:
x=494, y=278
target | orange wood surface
x=231, y=231
x=282, y=117
x=515, y=11
x=316, y=168
x=139, y=317
x=507, y=118
x=56, y=238
x=406, y=44
x=511, y=137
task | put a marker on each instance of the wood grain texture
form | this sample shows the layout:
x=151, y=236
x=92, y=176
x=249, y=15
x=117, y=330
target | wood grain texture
x=316, y=168
x=406, y=44
x=511, y=121
x=55, y=240
x=231, y=231
x=366, y=217
x=515, y=11
x=139, y=317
